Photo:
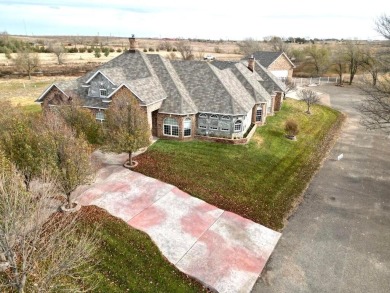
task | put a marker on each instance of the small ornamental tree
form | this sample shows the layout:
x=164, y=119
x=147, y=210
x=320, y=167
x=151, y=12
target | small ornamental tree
x=309, y=97
x=72, y=155
x=127, y=128
x=29, y=150
x=82, y=121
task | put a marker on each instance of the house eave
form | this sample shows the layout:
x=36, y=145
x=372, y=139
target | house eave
x=96, y=73
x=47, y=90
x=178, y=114
x=155, y=102
x=89, y=107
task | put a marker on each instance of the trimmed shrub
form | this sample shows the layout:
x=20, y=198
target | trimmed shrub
x=73, y=50
x=151, y=49
x=291, y=128
x=97, y=53
x=82, y=50
x=119, y=50
x=89, y=50
x=112, y=50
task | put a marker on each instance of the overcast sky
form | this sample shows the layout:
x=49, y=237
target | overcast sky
x=207, y=19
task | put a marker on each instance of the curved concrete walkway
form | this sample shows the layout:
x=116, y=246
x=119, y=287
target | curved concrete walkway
x=222, y=250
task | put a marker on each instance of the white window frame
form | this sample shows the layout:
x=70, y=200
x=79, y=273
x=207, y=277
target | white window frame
x=203, y=115
x=187, y=125
x=100, y=116
x=104, y=91
x=214, y=116
x=213, y=127
x=202, y=126
x=174, y=127
x=239, y=124
x=225, y=117
x=225, y=127
x=259, y=108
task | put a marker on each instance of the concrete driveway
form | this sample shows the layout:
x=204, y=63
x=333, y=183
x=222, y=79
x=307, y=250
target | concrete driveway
x=339, y=238
x=222, y=250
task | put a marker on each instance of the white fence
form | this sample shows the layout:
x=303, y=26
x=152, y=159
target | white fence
x=315, y=80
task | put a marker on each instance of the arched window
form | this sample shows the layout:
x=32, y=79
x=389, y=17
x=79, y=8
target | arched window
x=237, y=126
x=202, y=115
x=214, y=117
x=171, y=127
x=187, y=126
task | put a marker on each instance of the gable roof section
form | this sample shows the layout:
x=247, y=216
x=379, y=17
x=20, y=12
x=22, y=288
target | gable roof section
x=270, y=82
x=206, y=90
x=241, y=100
x=133, y=70
x=251, y=81
x=179, y=100
x=266, y=58
x=95, y=74
x=42, y=96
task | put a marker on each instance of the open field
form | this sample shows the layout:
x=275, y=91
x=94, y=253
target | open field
x=261, y=181
x=24, y=92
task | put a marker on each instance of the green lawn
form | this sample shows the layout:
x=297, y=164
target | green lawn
x=128, y=261
x=262, y=180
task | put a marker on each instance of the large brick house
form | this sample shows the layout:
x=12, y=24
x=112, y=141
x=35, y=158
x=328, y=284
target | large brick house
x=277, y=63
x=182, y=99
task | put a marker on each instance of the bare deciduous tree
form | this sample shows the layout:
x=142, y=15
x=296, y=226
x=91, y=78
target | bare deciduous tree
x=26, y=61
x=249, y=46
x=309, y=97
x=376, y=106
x=59, y=50
x=171, y=56
x=185, y=49
x=354, y=58
x=127, y=127
x=278, y=45
x=383, y=26
x=41, y=253
x=371, y=61
x=319, y=57
x=165, y=45
x=339, y=60
x=290, y=87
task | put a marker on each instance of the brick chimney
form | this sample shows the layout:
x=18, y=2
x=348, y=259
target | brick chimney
x=133, y=44
x=251, y=63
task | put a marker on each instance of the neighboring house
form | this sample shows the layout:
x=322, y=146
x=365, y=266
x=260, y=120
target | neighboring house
x=277, y=62
x=182, y=99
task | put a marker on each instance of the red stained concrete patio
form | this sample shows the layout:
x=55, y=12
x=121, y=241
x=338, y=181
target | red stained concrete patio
x=222, y=250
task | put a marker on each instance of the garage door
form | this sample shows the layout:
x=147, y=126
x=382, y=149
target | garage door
x=282, y=74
